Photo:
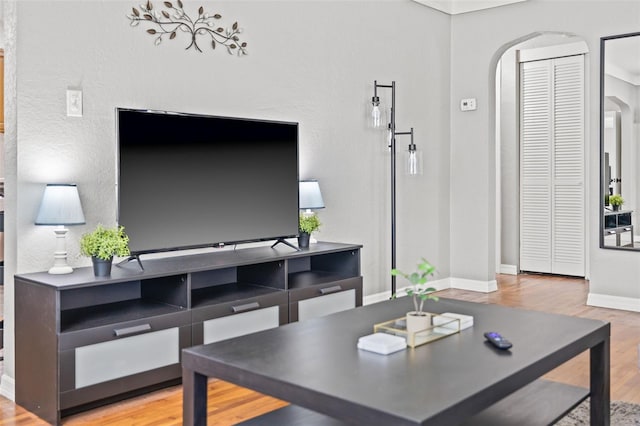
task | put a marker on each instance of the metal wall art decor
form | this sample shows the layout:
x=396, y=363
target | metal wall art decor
x=173, y=18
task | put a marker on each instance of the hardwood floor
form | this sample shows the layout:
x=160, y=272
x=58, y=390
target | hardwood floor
x=229, y=404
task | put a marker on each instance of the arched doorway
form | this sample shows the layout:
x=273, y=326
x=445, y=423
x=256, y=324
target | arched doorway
x=507, y=135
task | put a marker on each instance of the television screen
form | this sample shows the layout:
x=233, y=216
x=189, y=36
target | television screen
x=189, y=180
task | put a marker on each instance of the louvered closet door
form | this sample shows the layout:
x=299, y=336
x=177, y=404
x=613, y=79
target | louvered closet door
x=552, y=210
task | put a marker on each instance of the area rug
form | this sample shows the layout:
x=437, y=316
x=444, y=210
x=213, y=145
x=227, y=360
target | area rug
x=622, y=414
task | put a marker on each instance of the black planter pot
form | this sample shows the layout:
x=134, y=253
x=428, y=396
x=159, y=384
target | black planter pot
x=303, y=240
x=616, y=207
x=101, y=268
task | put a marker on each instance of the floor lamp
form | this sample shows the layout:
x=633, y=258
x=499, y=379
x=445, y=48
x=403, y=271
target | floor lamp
x=413, y=161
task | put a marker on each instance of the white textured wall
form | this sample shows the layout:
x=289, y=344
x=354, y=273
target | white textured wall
x=475, y=51
x=10, y=201
x=309, y=61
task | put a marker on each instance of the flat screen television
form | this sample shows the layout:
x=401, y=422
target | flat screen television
x=190, y=181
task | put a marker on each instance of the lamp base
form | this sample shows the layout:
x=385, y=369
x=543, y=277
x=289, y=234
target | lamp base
x=60, y=265
x=61, y=270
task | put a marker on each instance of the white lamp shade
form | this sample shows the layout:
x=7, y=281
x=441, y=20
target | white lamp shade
x=60, y=206
x=310, y=195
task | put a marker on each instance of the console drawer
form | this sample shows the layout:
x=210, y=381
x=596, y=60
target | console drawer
x=106, y=361
x=103, y=369
x=240, y=317
x=105, y=333
x=231, y=326
x=101, y=354
x=325, y=299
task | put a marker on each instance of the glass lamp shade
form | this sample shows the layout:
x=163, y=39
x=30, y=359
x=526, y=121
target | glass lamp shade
x=60, y=206
x=376, y=113
x=413, y=161
x=309, y=195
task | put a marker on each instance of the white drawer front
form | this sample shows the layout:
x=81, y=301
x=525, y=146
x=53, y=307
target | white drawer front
x=240, y=324
x=118, y=358
x=325, y=305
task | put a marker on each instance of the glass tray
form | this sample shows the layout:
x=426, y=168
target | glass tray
x=440, y=326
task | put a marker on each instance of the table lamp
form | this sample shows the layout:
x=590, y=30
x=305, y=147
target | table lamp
x=310, y=198
x=60, y=206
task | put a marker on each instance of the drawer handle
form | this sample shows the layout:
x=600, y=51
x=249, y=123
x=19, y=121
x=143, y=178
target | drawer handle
x=132, y=330
x=246, y=307
x=329, y=290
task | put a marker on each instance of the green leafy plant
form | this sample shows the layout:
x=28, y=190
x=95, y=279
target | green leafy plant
x=309, y=223
x=104, y=243
x=616, y=200
x=418, y=279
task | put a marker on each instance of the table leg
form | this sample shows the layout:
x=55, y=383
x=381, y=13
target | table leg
x=600, y=384
x=194, y=398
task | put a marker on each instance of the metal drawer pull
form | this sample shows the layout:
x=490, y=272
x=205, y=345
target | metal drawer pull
x=246, y=307
x=329, y=290
x=132, y=330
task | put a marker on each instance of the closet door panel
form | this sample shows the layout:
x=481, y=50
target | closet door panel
x=568, y=231
x=552, y=200
x=535, y=167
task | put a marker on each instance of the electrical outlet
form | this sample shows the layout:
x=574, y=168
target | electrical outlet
x=74, y=103
x=468, y=104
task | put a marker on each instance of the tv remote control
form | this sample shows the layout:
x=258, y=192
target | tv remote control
x=497, y=340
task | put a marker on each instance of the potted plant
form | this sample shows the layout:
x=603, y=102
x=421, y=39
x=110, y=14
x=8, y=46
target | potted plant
x=616, y=201
x=102, y=245
x=307, y=224
x=418, y=319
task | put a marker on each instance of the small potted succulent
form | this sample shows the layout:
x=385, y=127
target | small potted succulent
x=418, y=319
x=307, y=224
x=102, y=244
x=616, y=201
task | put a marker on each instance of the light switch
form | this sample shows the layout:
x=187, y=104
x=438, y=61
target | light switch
x=74, y=103
x=468, y=104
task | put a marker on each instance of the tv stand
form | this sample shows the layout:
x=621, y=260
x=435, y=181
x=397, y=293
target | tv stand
x=99, y=339
x=285, y=242
x=129, y=259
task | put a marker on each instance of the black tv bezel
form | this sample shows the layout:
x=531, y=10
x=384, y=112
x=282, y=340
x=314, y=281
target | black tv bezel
x=219, y=244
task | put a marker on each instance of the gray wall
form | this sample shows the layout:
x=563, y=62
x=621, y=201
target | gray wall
x=309, y=61
x=478, y=40
x=510, y=160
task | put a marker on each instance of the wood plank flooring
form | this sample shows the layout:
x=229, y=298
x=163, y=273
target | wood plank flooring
x=229, y=404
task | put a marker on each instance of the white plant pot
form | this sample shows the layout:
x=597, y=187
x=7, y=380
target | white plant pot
x=417, y=322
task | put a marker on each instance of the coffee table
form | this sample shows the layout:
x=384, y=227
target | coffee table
x=460, y=379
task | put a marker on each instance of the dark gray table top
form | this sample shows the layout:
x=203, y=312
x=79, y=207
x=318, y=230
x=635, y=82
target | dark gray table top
x=315, y=363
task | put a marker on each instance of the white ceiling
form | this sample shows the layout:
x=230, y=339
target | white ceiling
x=453, y=7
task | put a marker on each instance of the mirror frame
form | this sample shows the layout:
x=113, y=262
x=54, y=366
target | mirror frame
x=601, y=205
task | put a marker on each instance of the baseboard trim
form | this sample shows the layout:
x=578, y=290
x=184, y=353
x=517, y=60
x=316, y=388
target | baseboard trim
x=474, y=285
x=443, y=284
x=614, y=302
x=386, y=295
x=8, y=387
x=375, y=298
x=509, y=269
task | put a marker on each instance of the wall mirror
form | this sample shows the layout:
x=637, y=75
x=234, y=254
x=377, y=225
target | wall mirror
x=620, y=141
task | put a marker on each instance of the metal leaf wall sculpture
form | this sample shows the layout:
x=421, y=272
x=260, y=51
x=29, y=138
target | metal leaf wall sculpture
x=173, y=18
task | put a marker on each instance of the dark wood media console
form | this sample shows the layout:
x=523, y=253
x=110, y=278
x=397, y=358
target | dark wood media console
x=83, y=340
